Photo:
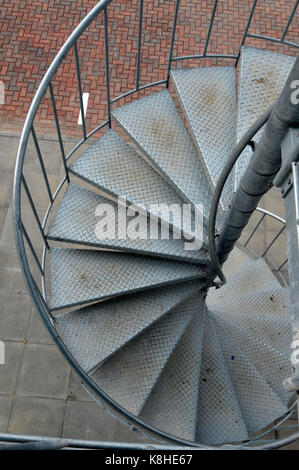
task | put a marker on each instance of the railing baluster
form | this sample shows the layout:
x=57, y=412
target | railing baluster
x=282, y=264
x=273, y=241
x=289, y=21
x=139, y=43
x=210, y=27
x=175, y=19
x=80, y=89
x=107, y=64
x=58, y=131
x=31, y=248
x=41, y=163
x=34, y=211
x=254, y=230
x=246, y=29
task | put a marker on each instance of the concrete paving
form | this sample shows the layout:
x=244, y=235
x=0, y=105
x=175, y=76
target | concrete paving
x=39, y=394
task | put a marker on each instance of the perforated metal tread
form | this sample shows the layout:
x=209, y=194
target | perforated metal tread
x=208, y=98
x=130, y=375
x=219, y=418
x=172, y=405
x=259, y=404
x=272, y=365
x=111, y=165
x=83, y=276
x=77, y=218
x=262, y=77
x=158, y=131
x=94, y=333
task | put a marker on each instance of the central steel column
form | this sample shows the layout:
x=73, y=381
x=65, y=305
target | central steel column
x=264, y=164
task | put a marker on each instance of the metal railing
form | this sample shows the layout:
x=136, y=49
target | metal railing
x=24, y=242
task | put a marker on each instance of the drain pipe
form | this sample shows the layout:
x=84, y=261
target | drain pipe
x=264, y=165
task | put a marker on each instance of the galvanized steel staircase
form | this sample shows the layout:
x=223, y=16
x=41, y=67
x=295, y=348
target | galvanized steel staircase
x=202, y=367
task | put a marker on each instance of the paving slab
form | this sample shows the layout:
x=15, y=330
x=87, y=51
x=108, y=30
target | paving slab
x=85, y=420
x=15, y=311
x=38, y=416
x=44, y=372
x=9, y=371
x=5, y=408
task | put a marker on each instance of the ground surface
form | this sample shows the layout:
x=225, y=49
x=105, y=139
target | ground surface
x=38, y=392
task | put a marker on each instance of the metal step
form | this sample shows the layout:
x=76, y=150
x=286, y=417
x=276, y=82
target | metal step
x=253, y=277
x=261, y=78
x=272, y=365
x=94, y=333
x=219, y=417
x=238, y=259
x=271, y=301
x=83, y=276
x=172, y=405
x=111, y=165
x=259, y=404
x=130, y=375
x=276, y=332
x=155, y=126
x=76, y=222
x=263, y=313
x=208, y=99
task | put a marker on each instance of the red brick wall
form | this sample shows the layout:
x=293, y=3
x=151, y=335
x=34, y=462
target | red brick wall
x=33, y=31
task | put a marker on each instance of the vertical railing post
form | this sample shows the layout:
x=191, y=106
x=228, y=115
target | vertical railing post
x=210, y=28
x=34, y=211
x=246, y=30
x=285, y=31
x=39, y=155
x=80, y=89
x=139, y=44
x=107, y=65
x=59, y=132
x=175, y=19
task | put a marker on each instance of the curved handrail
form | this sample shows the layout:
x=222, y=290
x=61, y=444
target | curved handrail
x=37, y=296
x=247, y=137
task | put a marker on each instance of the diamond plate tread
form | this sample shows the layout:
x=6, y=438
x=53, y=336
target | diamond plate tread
x=157, y=129
x=83, y=276
x=275, y=331
x=271, y=301
x=260, y=406
x=272, y=365
x=253, y=277
x=208, y=98
x=172, y=405
x=219, y=418
x=237, y=260
x=111, y=165
x=129, y=376
x=76, y=221
x=94, y=333
x=262, y=77
x=264, y=314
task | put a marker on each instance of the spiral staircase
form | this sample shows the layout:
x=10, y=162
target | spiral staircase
x=143, y=319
